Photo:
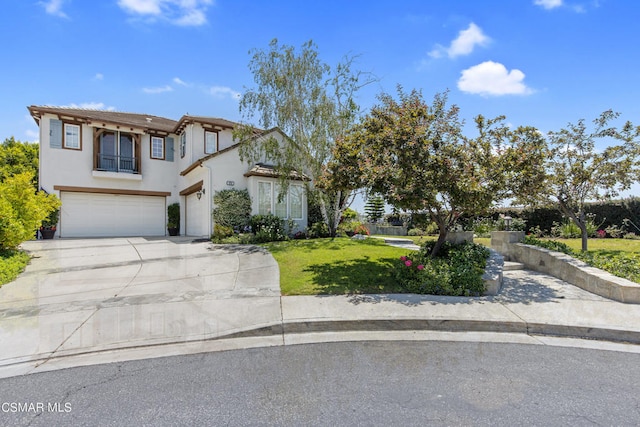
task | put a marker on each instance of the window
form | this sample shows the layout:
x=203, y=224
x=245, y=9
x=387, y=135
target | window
x=183, y=144
x=295, y=201
x=72, y=136
x=281, y=205
x=157, y=148
x=210, y=142
x=116, y=152
x=289, y=207
x=264, y=198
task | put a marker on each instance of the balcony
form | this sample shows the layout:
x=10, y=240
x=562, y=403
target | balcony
x=121, y=164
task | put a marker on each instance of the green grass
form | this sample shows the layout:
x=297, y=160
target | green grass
x=12, y=263
x=336, y=266
x=617, y=245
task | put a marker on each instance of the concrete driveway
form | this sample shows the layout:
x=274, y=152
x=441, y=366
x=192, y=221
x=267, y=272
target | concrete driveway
x=94, y=295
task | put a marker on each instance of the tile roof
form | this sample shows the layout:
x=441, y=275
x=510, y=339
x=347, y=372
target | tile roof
x=144, y=121
x=261, y=169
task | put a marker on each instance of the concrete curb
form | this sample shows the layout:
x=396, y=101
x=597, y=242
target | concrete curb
x=443, y=325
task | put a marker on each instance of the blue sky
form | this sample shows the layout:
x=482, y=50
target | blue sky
x=539, y=62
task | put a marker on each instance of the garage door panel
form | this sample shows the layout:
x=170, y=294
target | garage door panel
x=103, y=215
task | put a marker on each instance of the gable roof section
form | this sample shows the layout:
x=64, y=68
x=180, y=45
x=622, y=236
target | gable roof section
x=140, y=121
x=206, y=122
x=258, y=134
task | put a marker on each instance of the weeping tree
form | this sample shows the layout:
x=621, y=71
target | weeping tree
x=579, y=172
x=313, y=104
x=417, y=157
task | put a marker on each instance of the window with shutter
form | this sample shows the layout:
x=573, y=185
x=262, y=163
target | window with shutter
x=169, y=149
x=55, y=133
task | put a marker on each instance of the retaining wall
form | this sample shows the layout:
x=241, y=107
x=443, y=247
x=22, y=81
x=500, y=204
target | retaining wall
x=565, y=267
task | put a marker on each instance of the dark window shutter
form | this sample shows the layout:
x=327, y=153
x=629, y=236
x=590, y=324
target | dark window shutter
x=169, y=149
x=55, y=133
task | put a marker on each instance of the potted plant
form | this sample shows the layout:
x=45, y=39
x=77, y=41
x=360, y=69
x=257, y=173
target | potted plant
x=173, y=219
x=48, y=227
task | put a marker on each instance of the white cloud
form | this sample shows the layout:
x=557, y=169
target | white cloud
x=464, y=44
x=160, y=89
x=98, y=76
x=177, y=12
x=548, y=4
x=90, y=106
x=32, y=135
x=141, y=7
x=223, y=92
x=179, y=81
x=493, y=79
x=54, y=7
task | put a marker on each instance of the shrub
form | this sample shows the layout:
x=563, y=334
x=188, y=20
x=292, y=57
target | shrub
x=614, y=231
x=221, y=232
x=457, y=270
x=268, y=228
x=12, y=263
x=173, y=215
x=415, y=232
x=431, y=229
x=482, y=227
x=317, y=230
x=548, y=244
x=569, y=230
x=232, y=208
x=361, y=229
x=631, y=236
x=22, y=210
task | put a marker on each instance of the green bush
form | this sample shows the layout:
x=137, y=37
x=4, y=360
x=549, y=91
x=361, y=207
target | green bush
x=548, y=244
x=268, y=228
x=221, y=232
x=318, y=230
x=22, y=209
x=457, y=270
x=232, y=209
x=569, y=230
x=173, y=215
x=415, y=232
x=12, y=263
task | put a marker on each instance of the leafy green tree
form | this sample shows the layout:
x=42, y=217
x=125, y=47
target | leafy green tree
x=17, y=157
x=416, y=156
x=374, y=208
x=22, y=210
x=310, y=101
x=577, y=172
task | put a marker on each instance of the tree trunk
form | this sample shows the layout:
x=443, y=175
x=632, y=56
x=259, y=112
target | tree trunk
x=442, y=236
x=585, y=236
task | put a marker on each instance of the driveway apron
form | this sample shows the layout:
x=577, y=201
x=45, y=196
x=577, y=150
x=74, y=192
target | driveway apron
x=88, y=295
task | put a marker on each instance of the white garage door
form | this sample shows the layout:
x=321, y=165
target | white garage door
x=103, y=215
x=196, y=216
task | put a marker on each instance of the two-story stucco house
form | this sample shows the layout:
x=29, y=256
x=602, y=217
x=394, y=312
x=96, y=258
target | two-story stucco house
x=116, y=173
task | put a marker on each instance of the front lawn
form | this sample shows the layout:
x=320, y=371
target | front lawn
x=12, y=263
x=336, y=266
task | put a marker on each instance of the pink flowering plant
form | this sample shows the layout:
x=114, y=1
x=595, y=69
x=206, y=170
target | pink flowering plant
x=457, y=270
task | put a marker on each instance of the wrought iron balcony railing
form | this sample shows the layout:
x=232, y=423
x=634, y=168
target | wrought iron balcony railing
x=111, y=163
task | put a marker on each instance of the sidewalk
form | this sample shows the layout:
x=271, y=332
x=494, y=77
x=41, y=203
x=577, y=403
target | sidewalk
x=160, y=298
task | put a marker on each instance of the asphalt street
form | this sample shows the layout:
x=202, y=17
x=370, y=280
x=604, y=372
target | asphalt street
x=349, y=383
